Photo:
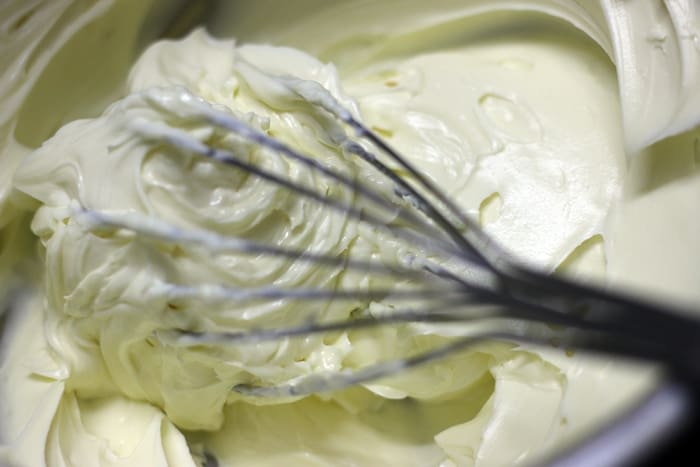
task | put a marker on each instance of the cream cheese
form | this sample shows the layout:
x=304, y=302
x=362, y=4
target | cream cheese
x=518, y=118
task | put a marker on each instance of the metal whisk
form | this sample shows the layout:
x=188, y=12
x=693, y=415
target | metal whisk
x=476, y=282
x=483, y=284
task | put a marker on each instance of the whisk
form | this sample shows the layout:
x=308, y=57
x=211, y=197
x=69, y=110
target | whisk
x=479, y=282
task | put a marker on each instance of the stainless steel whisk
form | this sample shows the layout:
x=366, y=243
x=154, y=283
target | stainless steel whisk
x=493, y=286
x=487, y=287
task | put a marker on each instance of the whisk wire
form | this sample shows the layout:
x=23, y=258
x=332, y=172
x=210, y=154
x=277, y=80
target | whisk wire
x=428, y=237
x=314, y=93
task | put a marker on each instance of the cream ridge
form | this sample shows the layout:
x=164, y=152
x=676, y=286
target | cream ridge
x=568, y=129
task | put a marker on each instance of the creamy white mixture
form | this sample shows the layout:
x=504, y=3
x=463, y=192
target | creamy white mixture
x=538, y=118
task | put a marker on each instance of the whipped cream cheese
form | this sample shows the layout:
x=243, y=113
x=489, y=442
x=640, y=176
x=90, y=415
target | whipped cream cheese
x=518, y=118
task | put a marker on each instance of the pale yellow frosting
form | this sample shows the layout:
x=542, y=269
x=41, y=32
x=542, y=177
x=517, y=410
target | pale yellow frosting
x=516, y=115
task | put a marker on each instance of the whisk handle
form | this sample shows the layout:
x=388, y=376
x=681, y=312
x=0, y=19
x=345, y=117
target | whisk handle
x=613, y=322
